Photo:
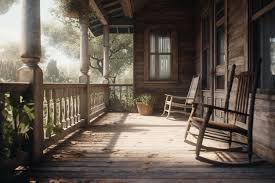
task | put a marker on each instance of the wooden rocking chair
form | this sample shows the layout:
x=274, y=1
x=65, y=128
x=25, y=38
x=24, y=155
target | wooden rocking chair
x=239, y=120
x=181, y=102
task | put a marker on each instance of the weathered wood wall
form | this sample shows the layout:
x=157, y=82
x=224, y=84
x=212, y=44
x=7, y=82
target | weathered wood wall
x=238, y=51
x=163, y=13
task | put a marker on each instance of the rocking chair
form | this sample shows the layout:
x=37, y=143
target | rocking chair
x=180, y=103
x=239, y=120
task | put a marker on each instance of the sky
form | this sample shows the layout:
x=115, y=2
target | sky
x=10, y=31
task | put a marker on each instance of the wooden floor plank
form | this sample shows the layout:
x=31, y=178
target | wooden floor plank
x=123, y=147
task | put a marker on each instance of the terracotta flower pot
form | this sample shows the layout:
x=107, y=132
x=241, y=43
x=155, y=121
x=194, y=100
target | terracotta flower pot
x=145, y=109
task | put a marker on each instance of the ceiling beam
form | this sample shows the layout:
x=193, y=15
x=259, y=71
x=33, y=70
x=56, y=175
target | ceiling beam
x=99, y=11
x=127, y=8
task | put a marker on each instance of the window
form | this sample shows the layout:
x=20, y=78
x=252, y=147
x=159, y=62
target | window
x=206, y=64
x=160, y=56
x=263, y=46
x=220, y=46
x=220, y=81
x=220, y=43
x=259, y=4
x=219, y=9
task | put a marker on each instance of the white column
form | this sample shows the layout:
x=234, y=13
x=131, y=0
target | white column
x=84, y=68
x=30, y=52
x=84, y=50
x=106, y=49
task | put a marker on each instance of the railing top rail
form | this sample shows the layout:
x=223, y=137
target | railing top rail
x=59, y=85
x=14, y=87
x=121, y=85
x=94, y=85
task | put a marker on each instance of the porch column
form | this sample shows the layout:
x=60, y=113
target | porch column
x=106, y=50
x=30, y=52
x=84, y=67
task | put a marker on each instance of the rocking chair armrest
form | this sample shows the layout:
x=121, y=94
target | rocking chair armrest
x=178, y=97
x=222, y=109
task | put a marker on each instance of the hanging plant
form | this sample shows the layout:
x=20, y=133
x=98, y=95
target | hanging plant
x=74, y=8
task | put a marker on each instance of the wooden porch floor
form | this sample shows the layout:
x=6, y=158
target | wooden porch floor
x=123, y=147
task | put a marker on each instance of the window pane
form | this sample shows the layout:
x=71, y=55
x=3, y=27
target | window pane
x=164, y=66
x=220, y=46
x=152, y=43
x=219, y=82
x=264, y=47
x=164, y=45
x=206, y=70
x=152, y=67
x=219, y=9
x=259, y=4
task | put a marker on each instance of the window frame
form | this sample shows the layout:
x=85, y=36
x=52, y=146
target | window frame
x=157, y=54
x=174, y=53
x=255, y=16
x=206, y=49
x=220, y=69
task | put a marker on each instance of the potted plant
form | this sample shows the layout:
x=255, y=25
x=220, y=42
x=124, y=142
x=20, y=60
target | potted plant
x=145, y=104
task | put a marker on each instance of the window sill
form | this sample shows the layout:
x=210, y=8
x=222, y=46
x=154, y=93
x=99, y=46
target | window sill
x=266, y=91
x=161, y=82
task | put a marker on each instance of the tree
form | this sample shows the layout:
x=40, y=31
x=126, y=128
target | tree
x=10, y=60
x=66, y=36
x=5, y=5
x=52, y=72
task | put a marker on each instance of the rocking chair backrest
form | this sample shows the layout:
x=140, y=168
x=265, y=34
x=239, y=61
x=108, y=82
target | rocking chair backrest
x=193, y=90
x=245, y=98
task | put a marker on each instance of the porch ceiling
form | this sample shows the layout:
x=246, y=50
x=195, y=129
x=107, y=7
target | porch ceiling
x=118, y=14
x=109, y=12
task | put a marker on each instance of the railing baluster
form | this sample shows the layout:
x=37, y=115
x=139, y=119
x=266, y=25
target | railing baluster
x=54, y=107
x=47, y=94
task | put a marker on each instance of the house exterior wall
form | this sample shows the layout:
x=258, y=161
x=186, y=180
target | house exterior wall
x=186, y=17
x=237, y=25
x=165, y=13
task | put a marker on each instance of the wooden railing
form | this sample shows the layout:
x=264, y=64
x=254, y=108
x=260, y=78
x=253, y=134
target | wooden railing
x=66, y=107
x=121, y=98
x=98, y=99
x=15, y=103
x=61, y=110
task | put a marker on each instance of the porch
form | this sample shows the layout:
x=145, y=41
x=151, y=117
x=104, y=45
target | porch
x=127, y=147
x=76, y=136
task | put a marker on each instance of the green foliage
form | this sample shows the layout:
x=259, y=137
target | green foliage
x=17, y=116
x=121, y=100
x=10, y=61
x=76, y=7
x=5, y=5
x=66, y=37
x=146, y=99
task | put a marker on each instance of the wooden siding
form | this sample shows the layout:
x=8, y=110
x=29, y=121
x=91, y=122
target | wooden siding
x=162, y=13
x=238, y=53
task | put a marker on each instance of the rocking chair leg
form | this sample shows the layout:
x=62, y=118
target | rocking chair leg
x=199, y=141
x=189, y=122
x=230, y=140
x=250, y=152
x=202, y=132
x=169, y=108
x=187, y=129
x=169, y=112
x=165, y=106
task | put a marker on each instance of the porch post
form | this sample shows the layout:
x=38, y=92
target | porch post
x=106, y=50
x=84, y=68
x=30, y=53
